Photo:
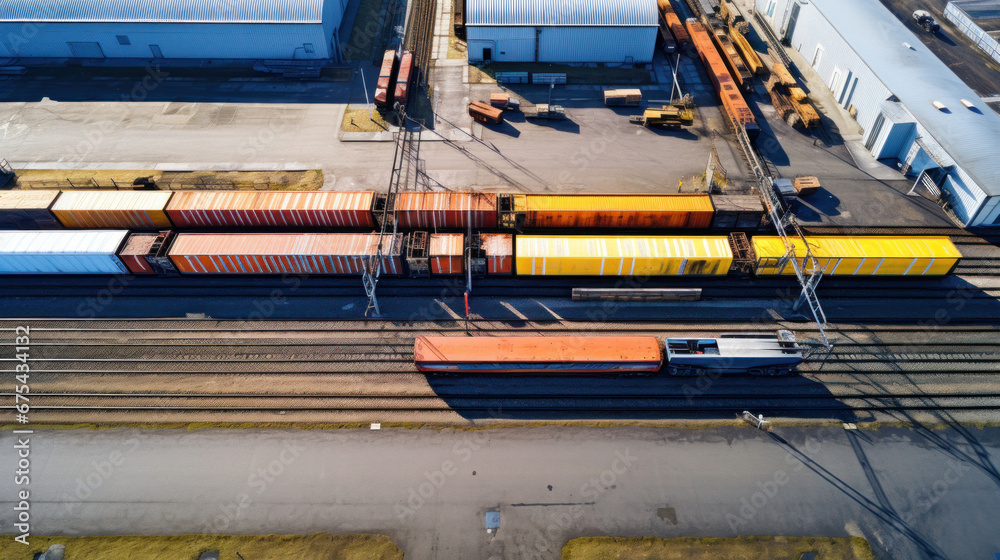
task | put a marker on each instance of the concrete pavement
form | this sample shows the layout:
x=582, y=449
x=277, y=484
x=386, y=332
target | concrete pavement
x=913, y=493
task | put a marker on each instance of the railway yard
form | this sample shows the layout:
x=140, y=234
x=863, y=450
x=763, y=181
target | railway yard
x=772, y=291
x=150, y=372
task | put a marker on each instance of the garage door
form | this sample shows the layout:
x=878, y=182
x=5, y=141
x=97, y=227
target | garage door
x=86, y=50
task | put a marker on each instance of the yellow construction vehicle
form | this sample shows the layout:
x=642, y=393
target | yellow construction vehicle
x=667, y=116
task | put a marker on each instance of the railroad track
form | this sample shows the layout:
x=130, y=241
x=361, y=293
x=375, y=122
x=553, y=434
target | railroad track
x=210, y=371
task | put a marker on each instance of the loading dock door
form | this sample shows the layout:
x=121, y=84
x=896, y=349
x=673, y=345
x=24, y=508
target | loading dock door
x=86, y=50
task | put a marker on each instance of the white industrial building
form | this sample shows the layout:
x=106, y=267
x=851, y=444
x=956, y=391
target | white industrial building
x=912, y=107
x=980, y=21
x=561, y=31
x=145, y=29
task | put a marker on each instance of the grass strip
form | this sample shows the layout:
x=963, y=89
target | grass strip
x=699, y=548
x=319, y=546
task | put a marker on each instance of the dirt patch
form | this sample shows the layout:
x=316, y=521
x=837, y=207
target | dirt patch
x=688, y=548
x=269, y=547
x=358, y=120
x=90, y=179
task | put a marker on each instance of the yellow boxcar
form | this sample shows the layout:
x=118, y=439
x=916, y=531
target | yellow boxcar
x=615, y=211
x=113, y=209
x=862, y=256
x=622, y=256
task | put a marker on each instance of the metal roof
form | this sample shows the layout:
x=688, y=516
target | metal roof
x=980, y=9
x=918, y=78
x=596, y=13
x=163, y=11
x=61, y=241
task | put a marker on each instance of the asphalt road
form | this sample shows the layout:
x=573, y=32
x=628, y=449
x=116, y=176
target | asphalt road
x=914, y=493
x=976, y=69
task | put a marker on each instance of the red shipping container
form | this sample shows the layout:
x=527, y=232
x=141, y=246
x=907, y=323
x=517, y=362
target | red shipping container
x=133, y=254
x=384, y=87
x=283, y=253
x=192, y=209
x=447, y=253
x=403, y=78
x=499, y=249
x=444, y=210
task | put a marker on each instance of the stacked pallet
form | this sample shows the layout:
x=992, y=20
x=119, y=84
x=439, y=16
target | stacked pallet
x=622, y=97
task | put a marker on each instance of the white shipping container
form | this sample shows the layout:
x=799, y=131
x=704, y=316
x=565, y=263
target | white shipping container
x=61, y=252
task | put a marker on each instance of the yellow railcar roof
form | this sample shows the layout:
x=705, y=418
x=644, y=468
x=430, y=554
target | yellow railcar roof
x=610, y=202
x=530, y=246
x=857, y=247
x=71, y=201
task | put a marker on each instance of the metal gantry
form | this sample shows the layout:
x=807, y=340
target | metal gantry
x=405, y=170
x=807, y=269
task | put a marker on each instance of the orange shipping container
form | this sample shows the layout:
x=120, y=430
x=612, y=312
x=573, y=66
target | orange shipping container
x=615, y=211
x=446, y=252
x=283, y=253
x=271, y=209
x=718, y=73
x=499, y=249
x=112, y=209
x=544, y=354
x=443, y=210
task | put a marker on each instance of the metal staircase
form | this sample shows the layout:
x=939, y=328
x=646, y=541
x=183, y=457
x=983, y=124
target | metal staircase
x=806, y=267
x=405, y=168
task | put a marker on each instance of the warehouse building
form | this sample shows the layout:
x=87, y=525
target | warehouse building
x=912, y=108
x=561, y=31
x=174, y=29
x=980, y=21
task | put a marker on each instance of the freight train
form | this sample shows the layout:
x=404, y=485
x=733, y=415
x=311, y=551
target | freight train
x=156, y=210
x=392, y=91
x=420, y=253
x=731, y=353
x=733, y=103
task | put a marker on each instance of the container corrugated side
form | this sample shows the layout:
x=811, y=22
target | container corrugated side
x=618, y=211
x=538, y=353
x=61, y=252
x=443, y=210
x=28, y=209
x=446, y=252
x=862, y=256
x=282, y=253
x=271, y=209
x=133, y=254
x=499, y=249
x=622, y=256
x=112, y=209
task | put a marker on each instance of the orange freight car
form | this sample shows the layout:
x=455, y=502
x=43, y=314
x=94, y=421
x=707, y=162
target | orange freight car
x=283, y=253
x=673, y=22
x=538, y=354
x=737, y=68
x=732, y=101
x=608, y=211
x=499, y=250
x=443, y=210
x=192, y=209
x=447, y=253
x=485, y=113
x=403, y=78
x=112, y=209
x=385, y=87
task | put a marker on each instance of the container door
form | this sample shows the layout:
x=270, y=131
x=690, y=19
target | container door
x=86, y=50
x=792, y=20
